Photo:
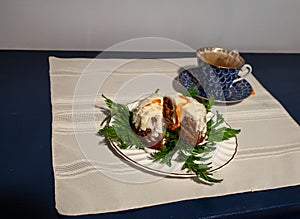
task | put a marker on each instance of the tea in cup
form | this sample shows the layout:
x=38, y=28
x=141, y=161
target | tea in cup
x=219, y=69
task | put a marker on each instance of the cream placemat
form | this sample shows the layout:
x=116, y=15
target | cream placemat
x=90, y=178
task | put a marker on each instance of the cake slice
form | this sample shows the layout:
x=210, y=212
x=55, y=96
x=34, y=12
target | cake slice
x=148, y=121
x=191, y=117
x=156, y=113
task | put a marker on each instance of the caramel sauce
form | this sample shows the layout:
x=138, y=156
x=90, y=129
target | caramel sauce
x=156, y=101
x=178, y=111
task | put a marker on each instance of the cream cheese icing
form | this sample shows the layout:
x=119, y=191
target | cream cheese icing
x=149, y=113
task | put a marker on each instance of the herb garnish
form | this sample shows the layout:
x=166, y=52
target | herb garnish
x=120, y=131
x=193, y=92
x=194, y=158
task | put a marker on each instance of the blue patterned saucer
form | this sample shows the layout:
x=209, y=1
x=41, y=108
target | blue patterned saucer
x=236, y=93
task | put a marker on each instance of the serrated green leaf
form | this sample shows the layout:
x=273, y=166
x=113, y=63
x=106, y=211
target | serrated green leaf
x=193, y=91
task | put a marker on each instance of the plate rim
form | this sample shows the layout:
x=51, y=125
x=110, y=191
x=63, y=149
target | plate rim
x=172, y=174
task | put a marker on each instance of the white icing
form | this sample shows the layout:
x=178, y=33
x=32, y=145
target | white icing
x=152, y=107
x=146, y=111
x=191, y=108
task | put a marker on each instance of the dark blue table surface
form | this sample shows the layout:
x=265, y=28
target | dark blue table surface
x=27, y=181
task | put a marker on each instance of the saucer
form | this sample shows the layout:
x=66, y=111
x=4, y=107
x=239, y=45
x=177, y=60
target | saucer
x=236, y=93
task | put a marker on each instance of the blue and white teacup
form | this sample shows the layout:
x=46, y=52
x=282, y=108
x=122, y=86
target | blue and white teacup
x=219, y=69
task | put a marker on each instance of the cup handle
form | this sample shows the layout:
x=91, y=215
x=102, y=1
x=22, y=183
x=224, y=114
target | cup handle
x=246, y=70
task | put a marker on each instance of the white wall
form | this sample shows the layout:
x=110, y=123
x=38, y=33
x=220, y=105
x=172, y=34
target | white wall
x=248, y=25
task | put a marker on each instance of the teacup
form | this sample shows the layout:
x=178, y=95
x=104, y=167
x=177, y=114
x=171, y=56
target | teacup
x=219, y=69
